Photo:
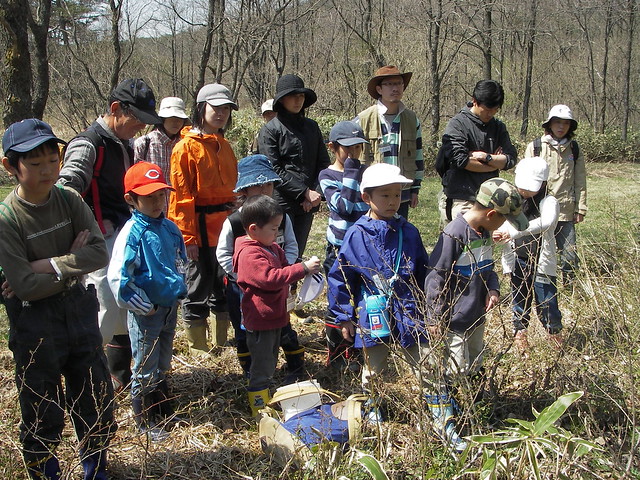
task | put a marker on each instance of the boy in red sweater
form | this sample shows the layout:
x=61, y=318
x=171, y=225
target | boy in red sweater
x=264, y=276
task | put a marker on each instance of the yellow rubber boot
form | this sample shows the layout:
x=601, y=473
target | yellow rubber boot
x=221, y=322
x=197, y=339
x=258, y=400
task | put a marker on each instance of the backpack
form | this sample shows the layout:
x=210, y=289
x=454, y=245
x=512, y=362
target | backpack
x=442, y=162
x=537, y=148
x=297, y=438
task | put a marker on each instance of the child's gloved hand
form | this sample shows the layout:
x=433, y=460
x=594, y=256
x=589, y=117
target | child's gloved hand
x=312, y=265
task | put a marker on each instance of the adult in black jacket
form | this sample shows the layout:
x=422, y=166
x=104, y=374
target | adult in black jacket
x=476, y=146
x=95, y=162
x=294, y=145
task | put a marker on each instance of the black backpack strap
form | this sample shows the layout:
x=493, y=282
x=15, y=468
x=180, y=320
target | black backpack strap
x=236, y=225
x=537, y=146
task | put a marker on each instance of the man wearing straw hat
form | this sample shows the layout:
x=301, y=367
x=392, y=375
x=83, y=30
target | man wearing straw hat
x=393, y=131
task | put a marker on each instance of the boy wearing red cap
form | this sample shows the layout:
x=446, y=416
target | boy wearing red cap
x=146, y=276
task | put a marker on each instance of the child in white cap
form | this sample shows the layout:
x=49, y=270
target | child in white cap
x=373, y=283
x=529, y=256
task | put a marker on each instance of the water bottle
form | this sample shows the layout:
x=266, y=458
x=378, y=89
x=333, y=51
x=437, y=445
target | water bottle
x=378, y=316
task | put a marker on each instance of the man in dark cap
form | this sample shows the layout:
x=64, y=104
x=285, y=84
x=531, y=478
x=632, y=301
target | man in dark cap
x=95, y=162
x=393, y=131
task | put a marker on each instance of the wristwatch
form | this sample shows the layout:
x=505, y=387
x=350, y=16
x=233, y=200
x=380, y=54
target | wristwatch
x=488, y=158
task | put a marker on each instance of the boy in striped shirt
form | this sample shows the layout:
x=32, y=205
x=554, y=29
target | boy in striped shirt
x=340, y=184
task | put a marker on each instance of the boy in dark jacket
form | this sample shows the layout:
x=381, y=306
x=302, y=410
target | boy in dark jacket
x=461, y=286
x=49, y=240
x=264, y=276
x=375, y=282
x=476, y=146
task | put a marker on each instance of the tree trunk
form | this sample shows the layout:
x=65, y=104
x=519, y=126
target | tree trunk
x=486, y=41
x=15, y=77
x=631, y=11
x=116, y=14
x=40, y=31
x=531, y=40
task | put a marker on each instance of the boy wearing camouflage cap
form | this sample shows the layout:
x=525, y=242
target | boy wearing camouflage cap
x=461, y=286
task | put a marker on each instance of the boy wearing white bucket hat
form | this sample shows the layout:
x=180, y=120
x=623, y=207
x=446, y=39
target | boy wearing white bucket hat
x=529, y=256
x=373, y=283
x=567, y=181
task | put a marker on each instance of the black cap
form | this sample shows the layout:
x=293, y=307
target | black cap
x=138, y=96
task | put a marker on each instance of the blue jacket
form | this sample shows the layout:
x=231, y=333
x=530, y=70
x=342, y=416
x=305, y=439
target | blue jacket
x=147, y=264
x=370, y=246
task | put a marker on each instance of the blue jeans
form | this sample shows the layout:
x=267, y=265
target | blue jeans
x=152, y=347
x=525, y=284
x=566, y=243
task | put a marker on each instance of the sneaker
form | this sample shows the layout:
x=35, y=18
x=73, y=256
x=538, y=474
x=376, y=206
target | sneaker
x=155, y=433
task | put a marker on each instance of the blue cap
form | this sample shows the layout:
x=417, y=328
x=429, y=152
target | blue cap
x=255, y=170
x=26, y=135
x=347, y=133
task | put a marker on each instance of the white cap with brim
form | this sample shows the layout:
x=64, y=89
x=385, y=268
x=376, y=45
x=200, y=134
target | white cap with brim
x=531, y=172
x=381, y=174
x=267, y=106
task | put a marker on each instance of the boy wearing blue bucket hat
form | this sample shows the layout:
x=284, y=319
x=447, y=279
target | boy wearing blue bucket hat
x=375, y=282
x=257, y=177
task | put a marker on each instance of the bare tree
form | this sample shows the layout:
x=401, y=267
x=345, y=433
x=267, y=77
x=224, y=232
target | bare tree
x=531, y=40
x=631, y=9
x=16, y=77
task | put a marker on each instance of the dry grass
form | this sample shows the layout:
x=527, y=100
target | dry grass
x=601, y=357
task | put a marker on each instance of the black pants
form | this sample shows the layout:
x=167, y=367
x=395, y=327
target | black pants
x=51, y=338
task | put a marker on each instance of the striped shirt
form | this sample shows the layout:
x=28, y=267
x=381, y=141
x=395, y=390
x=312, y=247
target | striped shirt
x=342, y=192
x=156, y=147
x=391, y=138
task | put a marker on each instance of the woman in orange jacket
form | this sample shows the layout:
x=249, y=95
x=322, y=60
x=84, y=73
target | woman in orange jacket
x=204, y=174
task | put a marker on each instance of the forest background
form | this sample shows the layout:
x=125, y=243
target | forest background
x=62, y=58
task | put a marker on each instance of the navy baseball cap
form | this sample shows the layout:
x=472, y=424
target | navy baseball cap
x=347, y=133
x=139, y=97
x=27, y=135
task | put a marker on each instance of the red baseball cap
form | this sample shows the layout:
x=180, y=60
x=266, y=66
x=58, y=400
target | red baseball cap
x=144, y=178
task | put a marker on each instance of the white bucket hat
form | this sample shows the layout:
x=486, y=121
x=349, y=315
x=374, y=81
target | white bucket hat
x=172, y=107
x=531, y=172
x=312, y=287
x=267, y=106
x=560, y=111
x=381, y=174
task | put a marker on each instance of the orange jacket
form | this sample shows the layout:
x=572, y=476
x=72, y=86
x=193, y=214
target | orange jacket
x=204, y=172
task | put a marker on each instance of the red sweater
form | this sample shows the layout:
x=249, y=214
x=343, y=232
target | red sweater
x=264, y=277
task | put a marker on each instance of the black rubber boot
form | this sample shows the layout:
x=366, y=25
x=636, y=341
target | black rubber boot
x=118, y=352
x=295, y=366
